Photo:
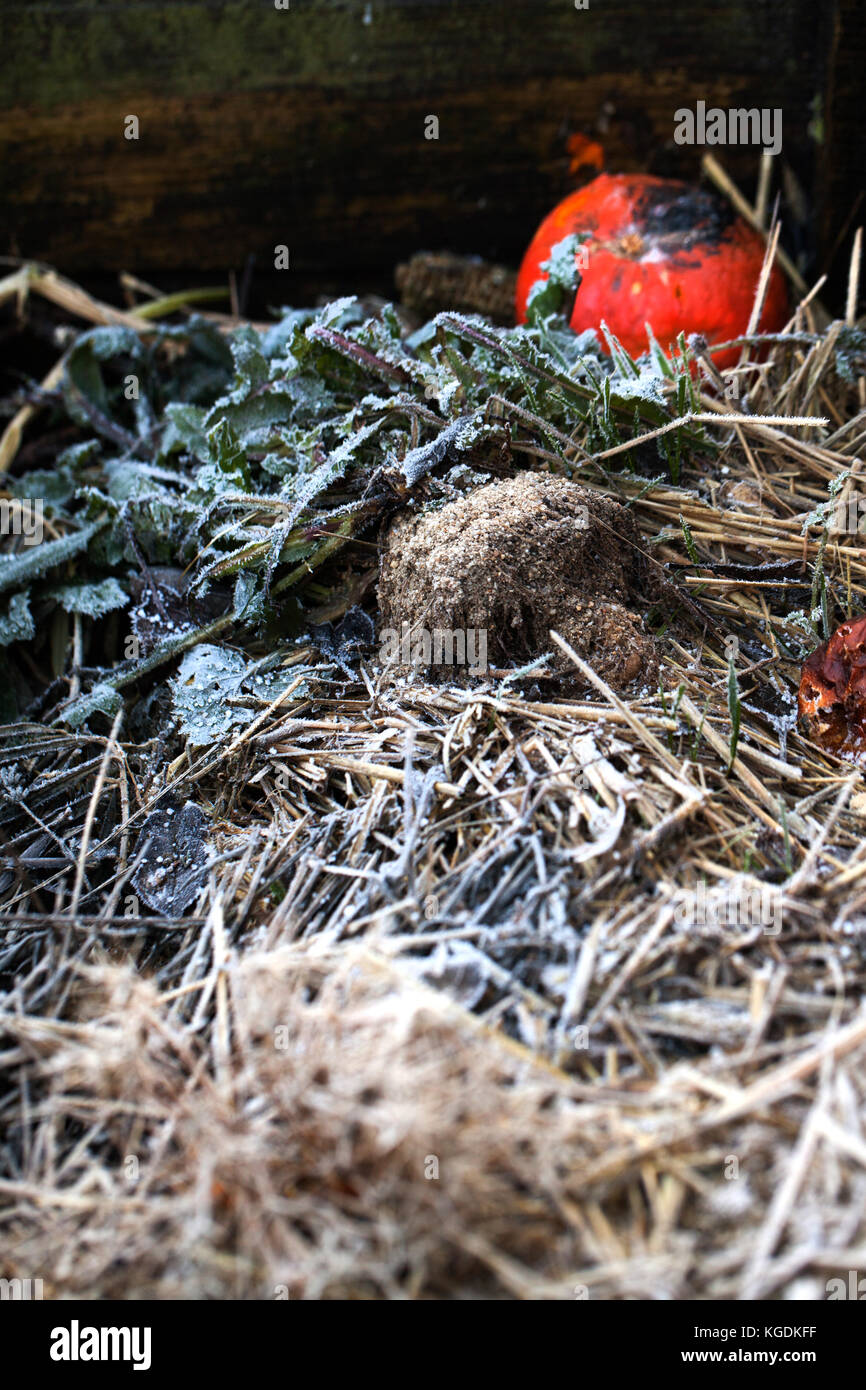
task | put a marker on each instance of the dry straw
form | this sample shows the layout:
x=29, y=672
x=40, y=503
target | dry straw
x=462, y=1008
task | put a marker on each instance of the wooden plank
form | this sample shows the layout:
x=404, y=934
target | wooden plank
x=306, y=127
x=842, y=172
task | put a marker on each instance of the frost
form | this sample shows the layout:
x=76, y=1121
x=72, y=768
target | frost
x=268, y=685
x=184, y=429
x=333, y=468
x=225, y=468
x=335, y=312
x=418, y=462
x=84, y=389
x=54, y=488
x=648, y=386
x=211, y=677
x=251, y=365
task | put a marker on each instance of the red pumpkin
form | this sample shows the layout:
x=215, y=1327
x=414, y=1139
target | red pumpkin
x=660, y=252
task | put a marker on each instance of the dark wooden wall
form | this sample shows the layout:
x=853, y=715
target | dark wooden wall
x=305, y=126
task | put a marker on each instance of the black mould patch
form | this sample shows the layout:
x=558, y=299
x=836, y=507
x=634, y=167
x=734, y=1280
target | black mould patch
x=689, y=214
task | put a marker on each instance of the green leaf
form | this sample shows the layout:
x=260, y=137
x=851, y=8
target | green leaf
x=226, y=467
x=657, y=353
x=625, y=363
x=251, y=365
x=165, y=651
x=689, y=540
x=249, y=598
x=733, y=710
x=184, y=429
x=268, y=685
x=78, y=456
x=328, y=472
x=54, y=487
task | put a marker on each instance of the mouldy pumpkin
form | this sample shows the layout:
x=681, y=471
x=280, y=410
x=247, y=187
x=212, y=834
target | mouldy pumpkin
x=658, y=251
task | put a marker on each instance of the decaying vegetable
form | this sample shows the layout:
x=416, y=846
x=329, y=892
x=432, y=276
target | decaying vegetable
x=832, y=696
x=656, y=251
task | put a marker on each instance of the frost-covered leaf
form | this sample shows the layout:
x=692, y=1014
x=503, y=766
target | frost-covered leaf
x=184, y=429
x=647, y=387
x=78, y=456
x=32, y=563
x=554, y=294
x=339, y=312
x=341, y=643
x=16, y=620
x=333, y=468
x=208, y=677
x=226, y=467
x=173, y=863
x=102, y=699
x=248, y=598
x=83, y=378
x=268, y=685
x=624, y=362
x=277, y=339
x=91, y=600
x=126, y=480
x=418, y=462
x=251, y=365
x=255, y=418
x=53, y=487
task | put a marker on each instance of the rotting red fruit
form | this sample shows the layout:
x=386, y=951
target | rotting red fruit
x=658, y=252
x=832, y=695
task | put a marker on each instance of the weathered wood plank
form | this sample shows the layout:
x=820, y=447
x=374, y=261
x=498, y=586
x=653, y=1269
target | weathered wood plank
x=306, y=127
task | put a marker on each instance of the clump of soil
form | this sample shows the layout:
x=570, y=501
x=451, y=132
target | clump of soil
x=515, y=559
x=436, y=280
